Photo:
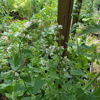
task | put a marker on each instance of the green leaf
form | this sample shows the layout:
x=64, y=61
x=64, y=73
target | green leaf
x=70, y=63
x=27, y=52
x=70, y=44
x=67, y=76
x=91, y=29
x=97, y=93
x=26, y=78
x=84, y=46
x=17, y=60
x=77, y=72
x=2, y=86
x=26, y=98
x=38, y=85
x=73, y=29
x=9, y=89
x=81, y=95
x=11, y=61
x=68, y=84
x=8, y=95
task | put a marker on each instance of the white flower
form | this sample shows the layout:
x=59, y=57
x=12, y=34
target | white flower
x=60, y=26
x=54, y=26
x=17, y=33
x=51, y=54
x=50, y=47
x=55, y=38
x=22, y=4
x=9, y=47
x=16, y=6
x=33, y=20
x=27, y=24
x=65, y=57
x=40, y=24
x=40, y=21
x=62, y=47
x=17, y=45
x=28, y=36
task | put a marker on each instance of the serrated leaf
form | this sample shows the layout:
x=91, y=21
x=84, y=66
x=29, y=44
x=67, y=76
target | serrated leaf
x=17, y=60
x=37, y=86
x=26, y=78
x=91, y=29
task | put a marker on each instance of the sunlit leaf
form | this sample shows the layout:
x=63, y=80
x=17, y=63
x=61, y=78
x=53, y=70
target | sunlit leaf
x=90, y=29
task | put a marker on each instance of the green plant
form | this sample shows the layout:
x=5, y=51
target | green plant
x=34, y=68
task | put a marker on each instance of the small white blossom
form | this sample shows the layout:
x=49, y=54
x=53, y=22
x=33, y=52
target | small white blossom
x=62, y=47
x=55, y=38
x=65, y=57
x=28, y=36
x=27, y=24
x=46, y=50
x=33, y=20
x=9, y=47
x=40, y=24
x=16, y=6
x=50, y=47
x=76, y=5
x=54, y=26
x=17, y=34
x=60, y=26
x=64, y=69
x=17, y=45
x=40, y=21
x=22, y=4
x=51, y=54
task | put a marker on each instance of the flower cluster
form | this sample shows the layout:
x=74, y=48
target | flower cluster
x=17, y=34
x=27, y=24
x=57, y=26
x=43, y=62
x=8, y=49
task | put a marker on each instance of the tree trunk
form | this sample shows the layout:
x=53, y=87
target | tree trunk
x=64, y=18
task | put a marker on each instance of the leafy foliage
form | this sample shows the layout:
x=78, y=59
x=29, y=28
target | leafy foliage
x=31, y=63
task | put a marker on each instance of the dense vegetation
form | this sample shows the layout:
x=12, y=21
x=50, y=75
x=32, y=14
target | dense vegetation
x=31, y=62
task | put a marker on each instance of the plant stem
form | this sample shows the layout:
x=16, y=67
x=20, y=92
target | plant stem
x=92, y=81
x=27, y=89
